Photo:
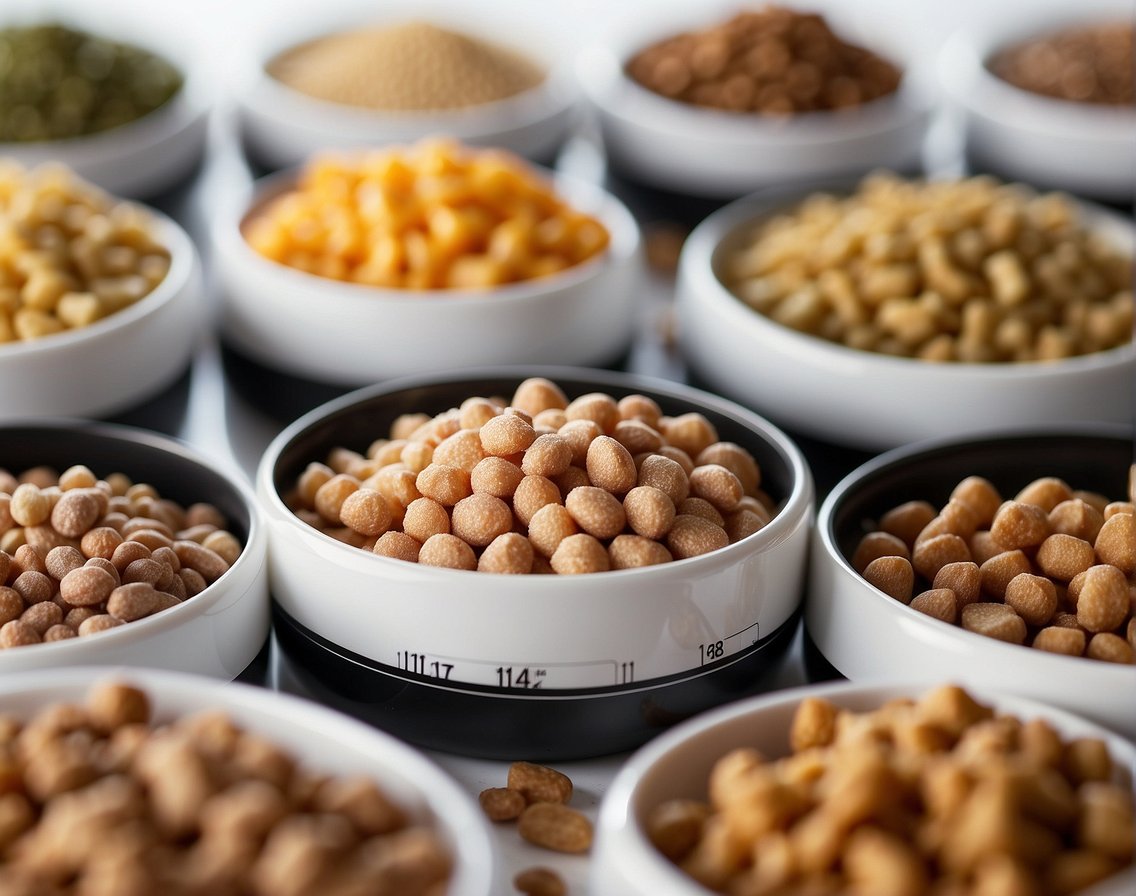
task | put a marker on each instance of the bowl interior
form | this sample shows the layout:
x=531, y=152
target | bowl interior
x=360, y=419
x=1095, y=459
x=141, y=455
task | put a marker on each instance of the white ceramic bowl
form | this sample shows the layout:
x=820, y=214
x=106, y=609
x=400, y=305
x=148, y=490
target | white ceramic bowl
x=1054, y=143
x=318, y=738
x=515, y=665
x=866, y=399
x=117, y=362
x=707, y=152
x=350, y=334
x=282, y=126
x=217, y=632
x=153, y=153
x=867, y=635
x=678, y=764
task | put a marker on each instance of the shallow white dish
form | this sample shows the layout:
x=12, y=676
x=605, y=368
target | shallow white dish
x=867, y=635
x=153, y=153
x=708, y=152
x=678, y=764
x=282, y=126
x=871, y=400
x=1054, y=143
x=217, y=632
x=350, y=334
x=317, y=737
x=598, y=652
x=118, y=361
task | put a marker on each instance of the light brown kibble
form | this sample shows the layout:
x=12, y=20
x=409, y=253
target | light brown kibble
x=1058, y=639
x=539, y=783
x=598, y=407
x=505, y=435
x=1077, y=518
x=610, y=466
x=1064, y=556
x=997, y=572
x=981, y=496
x=1103, y=599
x=690, y=432
x=533, y=493
x=556, y=827
x=893, y=576
x=537, y=394
x=875, y=545
x=365, y=511
x=501, y=803
x=932, y=554
x=447, y=551
x=397, y=546
x=995, y=621
x=445, y=484
x=1033, y=598
x=941, y=603
x=1110, y=647
x=907, y=520
x=716, y=485
x=580, y=434
x=633, y=551
x=508, y=554
x=1018, y=525
x=550, y=525
x=539, y=882
x=963, y=578
x=579, y=554
x=691, y=536
x=640, y=407
x=1046, y=493
x=598, y=512
x=479, y=519
x=496, y=476
x=1116, y=542
x=330, y=496
x=665, y=474
x=548, y=456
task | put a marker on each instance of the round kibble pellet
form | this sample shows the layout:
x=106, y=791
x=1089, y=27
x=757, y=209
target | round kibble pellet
x=496, y=476
x=397, y=546
x=479, y=519
x=533, y=493
x=447, y=551
x=1103, y=599
x=717, y=485
x=692, y=536
x=1059, y=639
x=640, y=407
x=537, y=394
x=425, y=517
x=931, y=555
x=1046, y=493
x=580, y=434
x=34, y=586
x=29, y=506
x=222, y=543
x=549, y=455
x=549, y=526
x=508, y=554
x=690, y=432
x=100, y=542
x=501, y=803
x=445, y=484
x=735, y=459
x=997, y=572
x=539, y=882
x=61, y=560
x=597, y=511
x=555, y=826
x=700, y=507
x=572, y=478
x=1077, y=518
x=633, y=551
x=963, y=578
x=649, y=511
x=938, y=602
x=598, y=407
x=610, y=466
x=462, y=449
x=1019, y=525
x=981, y=496
x=330, y=496
x=1064, y=556
x=875, y=545
x=1116, y=542
x=667, y=475
x=893, y=575
x=578, y=554
x=1110, y=648
x=1033, y=598
x=744, y=523
x=995, y=621
x=907, y=520
x=365, y=511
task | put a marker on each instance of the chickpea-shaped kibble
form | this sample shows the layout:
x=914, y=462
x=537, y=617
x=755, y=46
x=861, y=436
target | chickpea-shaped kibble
x=580, y=553
x=958, y=518
x=636, y=436
x=425, y=517
x=598, y=407
x=77, y=476
x=667, y=475
x=907, y=520
x=702, y=508
x=509, y=554
x=1057, y=639
x=537, y=394
x=1046, y=493
x=405, y=424
x=223, y=543
x=1116, y=542
x=995, y=621
x=875, y=545
x=479, y=519
x=549, y=526
x=1077, y=518
x=17, y=634
x=446, y=485
x=476, y=412
x=744, y=522
x=1033, y=597
x=679, y=456
x=1020, y=525
x=42, y=616
x=1103, y=600
x=331, y=495
x=506, y=434
x=690, y=432
x=447, y=551
x=691, y=536
x=549, y=455
x=596, y=511
x=100, y=542
x=496, y=476
x=611, y=466
x=533, y=493
x=416, y=455
x=997, y=572
x=61, y=560
x=315, y=475
x=397, y=546
x=365, y=511
x=893, y=575
x=29, y=506
x=1064, y=556
x=931, y=555
x=1104, y=646
x=549, y=420
x=572, y=478
x=649, y=511
x=34, y=586
x=632, y=551
x=963, y=578
x=462, y=450
x=640, y=407
x=735, y=459
x=717, y=485
x=398, y=485
x=939, y=603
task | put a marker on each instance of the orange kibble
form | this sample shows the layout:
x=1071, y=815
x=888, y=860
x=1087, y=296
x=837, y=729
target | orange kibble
x=479, y=519
x=981, y=496
x=572, y=478
x=691, y=432
x=425, y=517
x=397, y=546
x=330, y=496
x=533, y=492
x=1046, y=493
x=1064, y=556
x=610, y=466
x=963, y=578
x=366, y=511
x=580, y=434
x=578, y=554
x=445, y=484
x=447, y=551
x=597, y=511
x=932, y=554
x=598, y=407
x=508, y=554
x=549, y=455
x=537, y=394
x=1116, y=542
x=939, y=603
x=633, y=551
x=462, y=450
x=640, y=407
x=496, y=476
x=996, y=573
x=893, y=575
x=506, y=434
x=476, y=412
x=550, y=525
x=1033, y=597
x=1020, y=525
x=907, y=520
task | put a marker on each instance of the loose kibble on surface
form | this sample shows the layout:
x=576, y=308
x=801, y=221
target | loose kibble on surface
x=970, y=271
x=556, y=827
x=501, y=803
x=513, y=495
x=539, y=783
x=195, y=804
x=434, y=216
x=124, y=567
x=539, y=882
x=909, y=798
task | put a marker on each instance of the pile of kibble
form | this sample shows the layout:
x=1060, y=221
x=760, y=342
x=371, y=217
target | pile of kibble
x=56, y=82
x=539, y=484
x=81, y=555
x=99, y=799
x=935, y=795
x=773, y=61
x=1054, y=567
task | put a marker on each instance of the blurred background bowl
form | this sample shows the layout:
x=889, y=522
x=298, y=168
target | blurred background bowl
x=282, y=126
x=677, y=766
x=549, y=666
x=118, y=361
x=351, y=334
x=867, y=399
x=844, y=614
x=319, y=739
x=218, y=632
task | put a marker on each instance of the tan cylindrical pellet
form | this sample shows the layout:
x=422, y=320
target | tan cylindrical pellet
x=533, y=493
x=963, y=578
x=875, y=545
x=1116, y=542
x=981, y=496
x=1033, y=598
x=1019, y=525
x=691, y=536
x=579, y=554
x=995, y=621
x=597, y=511
x=398, y=546
x=940, y=603
x=1064, y=556
x=1046, y=493
x=549, y=456
x=1058, y=639
x=550, y=525
x=1077, y=518
x=997, y=572
x=445, y=484
x=907, y=520
x=508, y=554
x=496, y=476
x=479, y=519
x=931, y=555
x=633, y=551
x=1102, y=646
x=447, y=551
x=893, y=575
x=610, y=466
x=1103, y=599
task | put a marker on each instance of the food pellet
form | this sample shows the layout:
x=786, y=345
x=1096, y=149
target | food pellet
x=883, y=270
x=501, y=803
x=384, y=219
x=773, y=61
x=512, y=500
x=1049, y=572
x=101, y=799
x=108, y=566
x=407, y=66
x=909, y=798
x=539, y=882
x=60, y=238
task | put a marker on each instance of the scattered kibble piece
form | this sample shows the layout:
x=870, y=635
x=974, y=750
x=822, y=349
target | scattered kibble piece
x=500, y=497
